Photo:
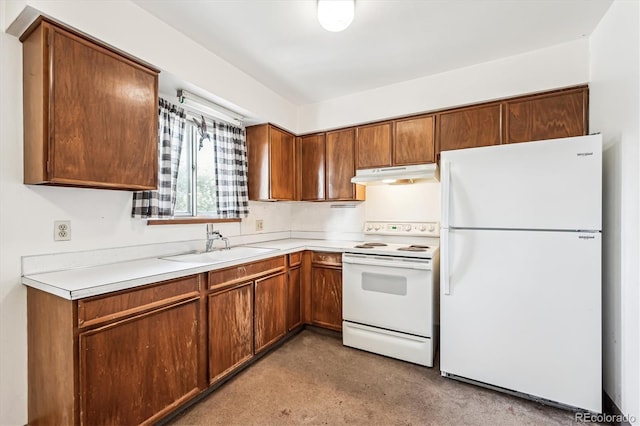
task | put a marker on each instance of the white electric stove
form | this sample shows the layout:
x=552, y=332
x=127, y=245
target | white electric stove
x=389, y=289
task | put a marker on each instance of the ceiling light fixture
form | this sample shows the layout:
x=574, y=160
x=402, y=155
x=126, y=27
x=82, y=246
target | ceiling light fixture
x=335, y=15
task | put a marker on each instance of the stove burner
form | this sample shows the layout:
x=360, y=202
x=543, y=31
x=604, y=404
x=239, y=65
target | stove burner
x=370, y=245
x=414, y=247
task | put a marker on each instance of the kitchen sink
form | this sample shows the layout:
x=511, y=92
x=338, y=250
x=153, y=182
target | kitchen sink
x=218, y=256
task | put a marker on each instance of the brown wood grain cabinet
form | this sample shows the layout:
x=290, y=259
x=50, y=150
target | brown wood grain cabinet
x=546, y=116
x=326, y=290
x=121, y=358
x=294, y=291
x=230, y=315
x=90, y=113
x=470, y=127
x=270, y=310
x=373, y=145
x=246, y=312
x=340, y=166
x=413, y=141
x=271, y=157
x=312, y=167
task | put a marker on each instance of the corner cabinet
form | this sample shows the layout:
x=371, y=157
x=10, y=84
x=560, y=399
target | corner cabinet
x=90, y=113
x=327, y=164
x=271, y=157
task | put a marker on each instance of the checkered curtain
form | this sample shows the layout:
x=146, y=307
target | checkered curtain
x=232, y=196
x=161, y=202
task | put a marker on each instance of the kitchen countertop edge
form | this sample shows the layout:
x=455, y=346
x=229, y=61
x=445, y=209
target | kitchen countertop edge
x=163, y=270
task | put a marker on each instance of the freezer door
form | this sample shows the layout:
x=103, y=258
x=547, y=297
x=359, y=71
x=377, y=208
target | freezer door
x=553, y=184
x=523, y=312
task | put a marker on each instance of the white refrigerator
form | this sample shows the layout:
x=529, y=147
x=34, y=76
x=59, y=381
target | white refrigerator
x=520, y=265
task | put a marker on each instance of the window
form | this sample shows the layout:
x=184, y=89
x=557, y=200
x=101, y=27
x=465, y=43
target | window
x=203, y=169
x=196, y=186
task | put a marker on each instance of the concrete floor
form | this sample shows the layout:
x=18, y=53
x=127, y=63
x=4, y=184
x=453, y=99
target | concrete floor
x=313, y=379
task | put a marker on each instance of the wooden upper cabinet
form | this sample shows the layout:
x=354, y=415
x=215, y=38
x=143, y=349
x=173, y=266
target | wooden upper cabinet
x=312, y=167
x=373, y=146
x=413, y=141
x=340, y=166
x=551, y=115
x=90, y=113
x=271, y=156
x=470, y=127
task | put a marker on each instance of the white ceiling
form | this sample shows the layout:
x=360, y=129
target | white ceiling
x=281, y=44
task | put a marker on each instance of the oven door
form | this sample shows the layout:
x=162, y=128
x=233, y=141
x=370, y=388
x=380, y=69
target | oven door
x=388, y=292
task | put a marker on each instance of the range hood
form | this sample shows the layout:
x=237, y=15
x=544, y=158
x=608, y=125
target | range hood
x=397, y=174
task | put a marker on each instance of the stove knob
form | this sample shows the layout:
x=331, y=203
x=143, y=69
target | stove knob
x=377, y=227
x=432, y=228
x=423, y=227
x=407, y=228
x=369, y=227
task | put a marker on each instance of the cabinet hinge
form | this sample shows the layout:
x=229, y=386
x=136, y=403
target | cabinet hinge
x=48, y=167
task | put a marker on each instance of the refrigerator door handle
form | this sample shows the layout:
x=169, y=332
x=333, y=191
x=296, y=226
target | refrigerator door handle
x=444, y=261
x=445, y=181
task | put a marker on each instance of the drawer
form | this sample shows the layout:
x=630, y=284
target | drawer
x=225, y=277
x=295, y=259
x=105, y=308
x=329, y=259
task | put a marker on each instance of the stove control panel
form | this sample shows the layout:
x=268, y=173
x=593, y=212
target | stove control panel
x=423, y=229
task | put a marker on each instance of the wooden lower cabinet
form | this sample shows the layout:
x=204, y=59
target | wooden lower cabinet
x=128, y=357
x=138, y=370
x=134, y=356
x=270, y=310
x=294, y=311
x=326, y=290
x=230, y=329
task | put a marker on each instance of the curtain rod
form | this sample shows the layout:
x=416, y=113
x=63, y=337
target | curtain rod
x=197, y=102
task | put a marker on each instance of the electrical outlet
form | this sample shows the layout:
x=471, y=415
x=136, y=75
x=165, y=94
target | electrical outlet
x=62, y=230
x=259, y=225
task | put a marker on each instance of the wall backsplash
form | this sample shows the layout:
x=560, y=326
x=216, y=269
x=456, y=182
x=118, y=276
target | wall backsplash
x=327, y=217
x=411, y=203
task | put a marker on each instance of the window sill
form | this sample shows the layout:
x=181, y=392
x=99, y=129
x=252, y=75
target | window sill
x=189, y=221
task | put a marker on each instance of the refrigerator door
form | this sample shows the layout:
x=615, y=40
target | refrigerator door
x=552, y=184
x=523, y=312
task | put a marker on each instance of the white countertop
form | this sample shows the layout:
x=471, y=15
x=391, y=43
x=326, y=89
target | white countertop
x=90, y=281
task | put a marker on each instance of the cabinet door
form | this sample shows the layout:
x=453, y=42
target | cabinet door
x=413, y=141
x=270, y=310
x=230, y=329
x=312, y=161
x=294, y=313
x=470, y=127
x=373, y=146
x=326, y=297
x=139, y=369
x=549, y=116
x=341, y=165
x=282, y=172
x=101, y=135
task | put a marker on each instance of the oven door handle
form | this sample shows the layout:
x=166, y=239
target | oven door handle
x=359, y=259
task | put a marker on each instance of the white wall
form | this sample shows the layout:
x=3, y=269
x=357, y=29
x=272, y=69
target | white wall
x=555, y=67
x=615, y=111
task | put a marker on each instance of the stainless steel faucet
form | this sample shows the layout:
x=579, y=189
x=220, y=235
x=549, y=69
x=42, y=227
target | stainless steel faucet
x=213, y=235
